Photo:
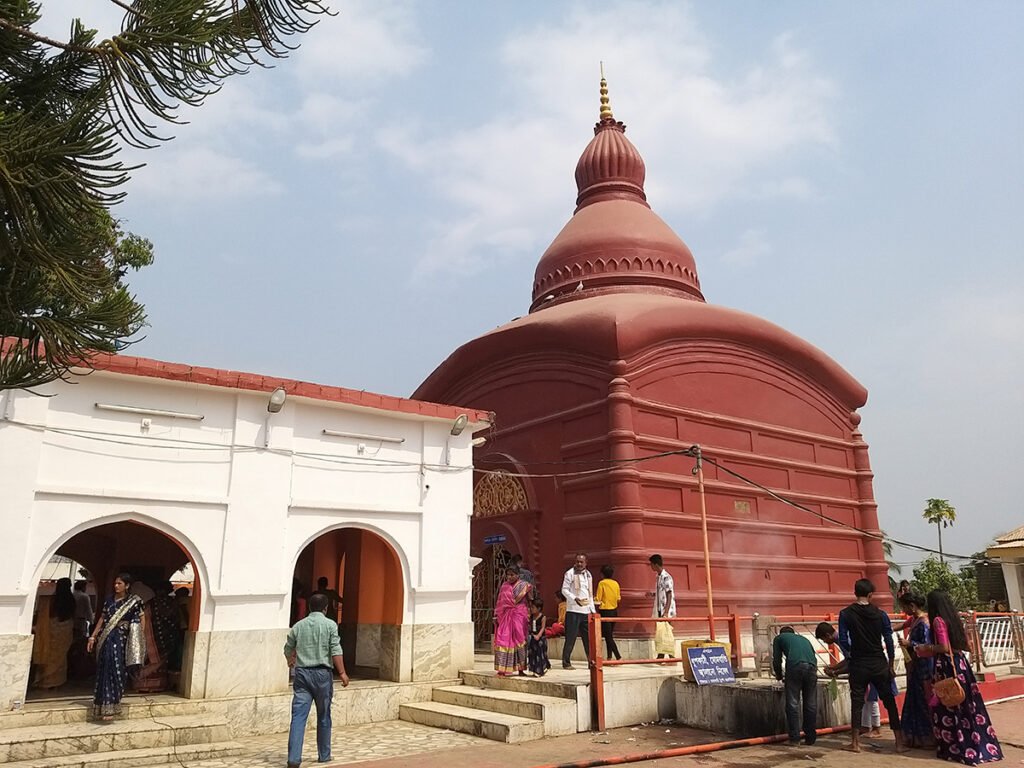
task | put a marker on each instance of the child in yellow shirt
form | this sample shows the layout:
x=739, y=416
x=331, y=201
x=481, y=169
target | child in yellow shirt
x=607, y=601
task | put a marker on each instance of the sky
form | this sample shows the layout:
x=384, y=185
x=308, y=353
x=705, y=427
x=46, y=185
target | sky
x=853, y=172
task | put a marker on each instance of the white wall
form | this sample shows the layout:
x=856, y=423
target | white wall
x=1013, y=575
x=244, y=512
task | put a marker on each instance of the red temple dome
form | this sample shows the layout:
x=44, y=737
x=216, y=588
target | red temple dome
x=614, y=242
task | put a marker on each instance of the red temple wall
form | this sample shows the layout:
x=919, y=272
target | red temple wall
x=756, y=415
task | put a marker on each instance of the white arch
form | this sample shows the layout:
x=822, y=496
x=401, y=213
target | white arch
x=403, y=560
x=183, y=541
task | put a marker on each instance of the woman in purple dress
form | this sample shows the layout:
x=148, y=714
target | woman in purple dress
x=964, y=733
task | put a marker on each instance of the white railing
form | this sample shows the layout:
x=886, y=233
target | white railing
x=997, y=639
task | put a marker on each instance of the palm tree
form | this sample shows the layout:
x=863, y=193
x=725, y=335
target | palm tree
x=942, y=514
x=893, y=567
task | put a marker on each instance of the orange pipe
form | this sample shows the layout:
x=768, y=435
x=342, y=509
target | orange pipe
x=693, y=749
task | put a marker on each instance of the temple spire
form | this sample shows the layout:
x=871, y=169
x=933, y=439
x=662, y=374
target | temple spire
x=606, y=107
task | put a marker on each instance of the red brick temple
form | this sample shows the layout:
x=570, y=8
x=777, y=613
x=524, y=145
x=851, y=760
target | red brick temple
x=621, y=357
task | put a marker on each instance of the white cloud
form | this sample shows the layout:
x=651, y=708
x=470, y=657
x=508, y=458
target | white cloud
x=319, y=101
x=200, y=174
x=365, y=43
x=705, y=137
x=752, y=246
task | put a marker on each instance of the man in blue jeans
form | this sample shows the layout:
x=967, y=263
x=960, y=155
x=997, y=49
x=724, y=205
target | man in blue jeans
x=312, y=647
x=801, y=679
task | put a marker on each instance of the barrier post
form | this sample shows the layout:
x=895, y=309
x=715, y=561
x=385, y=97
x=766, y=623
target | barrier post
x=596, y=669
x=698, y=470
x=736, y=640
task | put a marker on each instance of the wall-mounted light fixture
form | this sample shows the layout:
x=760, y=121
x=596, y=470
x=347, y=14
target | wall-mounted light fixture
x=149, y=411
x=458, y=426
x=362, y=437
x=274, y=405
x=277, y=398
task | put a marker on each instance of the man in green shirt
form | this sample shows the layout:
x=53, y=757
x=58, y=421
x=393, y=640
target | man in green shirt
x=801, y=679
x=312, y=647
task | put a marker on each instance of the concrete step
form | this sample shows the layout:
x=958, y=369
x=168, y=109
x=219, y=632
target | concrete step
x=490, y=725
x=133, y=758
x=64, y=711
x=541, y=686
x=558, y=715
x=45, y=741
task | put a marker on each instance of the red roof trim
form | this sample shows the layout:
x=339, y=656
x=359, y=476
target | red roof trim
x=215, y=377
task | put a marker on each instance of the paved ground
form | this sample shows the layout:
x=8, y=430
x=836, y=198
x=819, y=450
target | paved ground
x=401, y=744
x=1008, y=719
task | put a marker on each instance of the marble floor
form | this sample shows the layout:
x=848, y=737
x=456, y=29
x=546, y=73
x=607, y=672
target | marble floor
x=352, y=744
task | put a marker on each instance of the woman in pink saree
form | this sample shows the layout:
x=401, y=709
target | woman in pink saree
x=511, y=616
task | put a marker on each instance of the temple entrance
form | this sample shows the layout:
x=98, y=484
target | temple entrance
x=73, y=589
x=362, y=576
x=487, y=578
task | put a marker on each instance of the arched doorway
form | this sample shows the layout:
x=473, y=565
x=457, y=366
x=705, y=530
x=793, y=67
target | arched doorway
x=487, y=578
x=94, y=557
x=362, y=575
x=501, y=511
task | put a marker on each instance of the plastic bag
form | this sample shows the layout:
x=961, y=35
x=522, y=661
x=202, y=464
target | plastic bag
x=664, y=639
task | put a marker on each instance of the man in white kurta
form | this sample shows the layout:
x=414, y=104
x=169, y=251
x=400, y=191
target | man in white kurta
x=664, y=592
x=578, y=590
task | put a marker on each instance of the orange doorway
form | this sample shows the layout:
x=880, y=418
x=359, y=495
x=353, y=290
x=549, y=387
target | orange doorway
x=61, y=667
x=362, y=575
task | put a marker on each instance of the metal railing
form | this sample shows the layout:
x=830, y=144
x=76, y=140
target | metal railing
x=996, y=639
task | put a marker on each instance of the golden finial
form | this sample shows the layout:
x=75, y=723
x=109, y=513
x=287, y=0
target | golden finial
x=606, y=107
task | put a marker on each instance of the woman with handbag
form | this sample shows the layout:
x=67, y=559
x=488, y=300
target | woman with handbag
x=963, y=730
x=118, y=642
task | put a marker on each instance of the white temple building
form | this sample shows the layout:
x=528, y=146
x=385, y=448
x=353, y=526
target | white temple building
x=251, y=482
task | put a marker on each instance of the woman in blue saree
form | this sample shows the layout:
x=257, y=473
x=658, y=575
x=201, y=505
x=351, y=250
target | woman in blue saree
x=916, y=718
x=119, y=646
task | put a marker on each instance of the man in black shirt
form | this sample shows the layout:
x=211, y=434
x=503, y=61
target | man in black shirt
x=863, y=628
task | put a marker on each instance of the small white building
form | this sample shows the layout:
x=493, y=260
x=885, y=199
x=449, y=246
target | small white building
x=1008, y=551
x=148, y=467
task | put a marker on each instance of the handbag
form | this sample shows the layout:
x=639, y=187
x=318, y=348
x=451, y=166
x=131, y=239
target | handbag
x=948, y=689
x=135, y=647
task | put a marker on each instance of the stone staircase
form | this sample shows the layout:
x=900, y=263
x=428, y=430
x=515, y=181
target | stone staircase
x=512, y=710
x=58, y=734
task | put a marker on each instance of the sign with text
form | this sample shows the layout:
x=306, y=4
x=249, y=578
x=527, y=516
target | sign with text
x=496, y=539
x=710, y=665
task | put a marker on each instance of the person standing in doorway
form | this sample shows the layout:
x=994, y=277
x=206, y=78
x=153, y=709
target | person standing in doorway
x=664, y=607
x=333, y=598
x=607, y=601
x=119, y=645
x=84, y=611
x=312, y=648
x=801, y=681
x=578, y=588
x=525, y=574
x=864, y=628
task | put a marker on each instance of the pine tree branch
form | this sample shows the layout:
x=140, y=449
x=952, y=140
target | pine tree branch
x=129, y=9
x=8, y=24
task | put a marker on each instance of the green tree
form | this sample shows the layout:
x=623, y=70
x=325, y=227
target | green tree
x=893, y=567
x=941, y=514
x=961, y=585
x=67, y=107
